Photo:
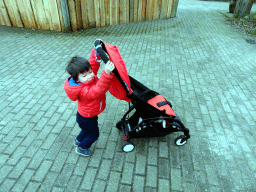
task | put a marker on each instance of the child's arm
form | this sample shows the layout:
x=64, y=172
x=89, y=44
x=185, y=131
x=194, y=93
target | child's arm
x=100, y=88
x=95, y=65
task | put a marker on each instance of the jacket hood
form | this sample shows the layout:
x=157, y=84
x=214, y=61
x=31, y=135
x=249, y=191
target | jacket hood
x=71, y=90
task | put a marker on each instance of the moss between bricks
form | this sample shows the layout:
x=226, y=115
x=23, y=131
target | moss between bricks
x=246, y=24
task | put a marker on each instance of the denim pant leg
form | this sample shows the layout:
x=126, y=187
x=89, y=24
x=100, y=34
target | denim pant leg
x=90, y=131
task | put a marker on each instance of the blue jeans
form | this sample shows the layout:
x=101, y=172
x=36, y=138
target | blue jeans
x=90, y=131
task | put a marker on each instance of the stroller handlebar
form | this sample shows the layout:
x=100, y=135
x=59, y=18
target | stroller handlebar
x=101, y=49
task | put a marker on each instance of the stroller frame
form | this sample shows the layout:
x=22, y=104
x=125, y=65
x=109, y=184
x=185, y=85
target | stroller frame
x=147, y=121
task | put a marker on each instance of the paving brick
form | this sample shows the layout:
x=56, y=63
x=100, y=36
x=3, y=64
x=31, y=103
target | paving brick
x=164, y=170
x=13, y=145
x=153, y=156
x=54, y=150
x=104, y=169
x=99, y=186
x=96, y=158
x=65, y=175
x=140, y=165
x=127, y=173
x=3, y=159
x=15, y=157
x=7, y=184
x=164, y=185
x=81, y=164
x=88, y=179
x=5, y=170
x=138, y=183
x=110, y=150
x=73, y=183
x=151, y=177
x=118, y=162
x=19, y=168
x=42, y=170
x=11, y=135
x=48, y=142
x=113, y=181
x=59, y=162
x=32, y=186
x=163, y=149
x=30, y=138
x=102, y=141
x=68, y=145
x=48, y=181
x=37, y=159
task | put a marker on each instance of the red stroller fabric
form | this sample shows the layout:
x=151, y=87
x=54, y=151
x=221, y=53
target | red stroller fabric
x=116, y=89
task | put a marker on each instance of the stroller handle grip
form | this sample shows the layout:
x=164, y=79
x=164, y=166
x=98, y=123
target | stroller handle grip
x=101, y=49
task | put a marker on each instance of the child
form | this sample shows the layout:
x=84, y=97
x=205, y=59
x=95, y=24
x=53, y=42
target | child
x=90, y=91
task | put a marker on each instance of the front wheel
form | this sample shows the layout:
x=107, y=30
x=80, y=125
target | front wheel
x=181, y=140
x=128, y=147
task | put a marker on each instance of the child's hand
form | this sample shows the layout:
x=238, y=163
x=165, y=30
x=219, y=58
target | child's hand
x=109, y=67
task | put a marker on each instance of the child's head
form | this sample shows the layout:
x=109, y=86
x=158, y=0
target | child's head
x=78, y=65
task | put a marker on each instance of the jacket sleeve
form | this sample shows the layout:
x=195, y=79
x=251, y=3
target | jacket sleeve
x=95, y=65
x=100, y=88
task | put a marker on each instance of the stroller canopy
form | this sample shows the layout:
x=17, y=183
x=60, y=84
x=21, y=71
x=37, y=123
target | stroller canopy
x=135, y=90
x=116, y=89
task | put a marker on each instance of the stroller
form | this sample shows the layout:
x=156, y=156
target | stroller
x=153, y=116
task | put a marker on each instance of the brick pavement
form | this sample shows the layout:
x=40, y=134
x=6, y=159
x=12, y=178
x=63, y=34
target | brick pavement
x=203, y=66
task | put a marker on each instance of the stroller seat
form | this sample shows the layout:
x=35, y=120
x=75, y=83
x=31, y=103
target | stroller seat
x=147, y=100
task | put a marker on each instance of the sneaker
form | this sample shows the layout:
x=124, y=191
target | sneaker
x=76, y=142
x=84, y=152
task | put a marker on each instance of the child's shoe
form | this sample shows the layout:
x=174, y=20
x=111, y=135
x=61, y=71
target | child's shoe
x=84, y=152
x=76, y=142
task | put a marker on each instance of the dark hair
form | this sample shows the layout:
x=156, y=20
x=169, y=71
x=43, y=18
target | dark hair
x=77, y=65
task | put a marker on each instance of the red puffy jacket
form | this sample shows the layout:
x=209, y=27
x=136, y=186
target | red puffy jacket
x=91, y=96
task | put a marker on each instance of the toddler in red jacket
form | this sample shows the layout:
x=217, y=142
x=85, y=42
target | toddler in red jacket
x=89, y=91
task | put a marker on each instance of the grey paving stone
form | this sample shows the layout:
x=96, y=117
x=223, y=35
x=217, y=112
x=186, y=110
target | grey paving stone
x=140, y=165
x=163, y=168
x=73, y=183
x=104, y=169
x=127, y=173
x=99, y=186
x=37, y=159
x=48, y=181
x=32, y=186
x=7, y=184
x=151, y=177
x=88, y=180
x=164, y=185
x=138, y=183
x=65, y=175
x=118, y=162
x=113, y=181
x=23, y=180
x=59, y=162
x=95, y=160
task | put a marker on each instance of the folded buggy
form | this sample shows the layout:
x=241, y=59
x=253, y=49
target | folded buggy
x=149, y=114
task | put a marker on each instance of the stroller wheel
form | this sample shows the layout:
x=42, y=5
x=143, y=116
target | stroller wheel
x=181, y=140
x=128, y=147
